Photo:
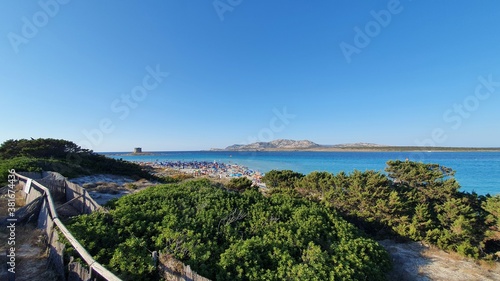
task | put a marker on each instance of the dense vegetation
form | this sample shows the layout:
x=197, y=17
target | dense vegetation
x=226, y=235
x=414, y=201
x=61, y=156
x=297, y=232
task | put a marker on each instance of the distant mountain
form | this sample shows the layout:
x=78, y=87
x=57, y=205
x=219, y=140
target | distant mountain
x=280, y=144
x=357, y=145
x=306, y=145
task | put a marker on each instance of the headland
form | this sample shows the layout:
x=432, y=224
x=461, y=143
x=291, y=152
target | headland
x=307, y=145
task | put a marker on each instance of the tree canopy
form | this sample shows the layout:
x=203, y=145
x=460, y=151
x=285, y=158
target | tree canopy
x=61, y=156
x=40, y=148
x=415, y=201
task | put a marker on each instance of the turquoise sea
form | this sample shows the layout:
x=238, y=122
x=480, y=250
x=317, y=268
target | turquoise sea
x=475, y=171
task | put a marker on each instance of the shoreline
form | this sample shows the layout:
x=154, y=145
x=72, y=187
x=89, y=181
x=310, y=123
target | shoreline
x=370, y=149
x=214, y=170
x=468, y=173
x=336, y=149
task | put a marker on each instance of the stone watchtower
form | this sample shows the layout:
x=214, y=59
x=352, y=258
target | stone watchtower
x=137, y=150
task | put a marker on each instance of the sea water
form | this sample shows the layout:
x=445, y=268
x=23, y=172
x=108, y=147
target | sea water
x=475, y=171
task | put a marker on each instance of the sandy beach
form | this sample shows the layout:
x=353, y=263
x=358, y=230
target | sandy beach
x=215, y=170
x=105, y=187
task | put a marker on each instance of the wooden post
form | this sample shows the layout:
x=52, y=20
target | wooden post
x=83, y=205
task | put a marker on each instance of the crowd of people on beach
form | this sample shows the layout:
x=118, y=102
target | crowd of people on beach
x=211, y=169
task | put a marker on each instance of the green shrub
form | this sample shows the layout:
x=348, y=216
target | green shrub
x=240, y=183
x=230, y=236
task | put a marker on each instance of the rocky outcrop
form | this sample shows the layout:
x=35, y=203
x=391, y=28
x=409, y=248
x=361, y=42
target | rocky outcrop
x=280, y=144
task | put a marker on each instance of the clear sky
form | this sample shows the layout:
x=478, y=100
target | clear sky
x=176, y=75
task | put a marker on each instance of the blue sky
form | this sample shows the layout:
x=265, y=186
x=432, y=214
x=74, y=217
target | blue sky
x=176, y=75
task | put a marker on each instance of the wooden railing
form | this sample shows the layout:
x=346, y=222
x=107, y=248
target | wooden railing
x=48, y=220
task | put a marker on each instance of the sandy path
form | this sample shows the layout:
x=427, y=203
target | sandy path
x=31, y=255
x=416, y=262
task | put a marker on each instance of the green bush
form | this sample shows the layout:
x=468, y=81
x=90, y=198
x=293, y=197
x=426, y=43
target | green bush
x=281, y=179
x=230, y=236
x=29, y=164
x=240, y=183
